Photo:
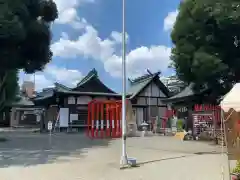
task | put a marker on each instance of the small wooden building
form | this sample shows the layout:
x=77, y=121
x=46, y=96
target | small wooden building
x=185, y=103
x=20, y=113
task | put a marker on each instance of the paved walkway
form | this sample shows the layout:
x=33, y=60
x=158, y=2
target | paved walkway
x=71, y=157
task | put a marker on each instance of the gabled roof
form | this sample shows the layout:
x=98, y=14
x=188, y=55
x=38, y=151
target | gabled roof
x=91, y=83
x=61, y=87
x=90, y=93
x=138, y=84
x=92, y=74
x=84, y=87
x=47, y=93
x=21, y=101
x=185, y=93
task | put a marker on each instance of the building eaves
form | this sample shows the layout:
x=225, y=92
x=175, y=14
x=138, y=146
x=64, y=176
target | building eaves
x=88, y=93
x=61, y=86
x=137, y=85
x=185, y=93
x=93, y=73
x=44, y=94
x=135, y=89
x=21, y=101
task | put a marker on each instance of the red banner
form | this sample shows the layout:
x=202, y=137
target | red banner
x=206, y=107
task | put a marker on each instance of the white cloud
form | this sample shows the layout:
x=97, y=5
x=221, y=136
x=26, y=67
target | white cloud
x=52, y=74
x=64, y=35
x=66, y=76
x=41, y=81
x=154, y=58
x=68, y=12
x=90, y=45
x=170, y=20
x=117, y=36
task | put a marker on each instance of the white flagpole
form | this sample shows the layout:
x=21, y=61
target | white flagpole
x=34, y=81
x=124, y=160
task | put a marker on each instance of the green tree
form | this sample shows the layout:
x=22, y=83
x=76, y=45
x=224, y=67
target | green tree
x=11, y=88
x=25, y=38
x=206, y=41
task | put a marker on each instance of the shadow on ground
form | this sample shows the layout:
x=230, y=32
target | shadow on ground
x=163, y=159
x=27, y=149
x=178, y=157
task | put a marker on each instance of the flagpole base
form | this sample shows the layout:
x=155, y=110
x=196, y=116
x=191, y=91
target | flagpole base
x=124, y=161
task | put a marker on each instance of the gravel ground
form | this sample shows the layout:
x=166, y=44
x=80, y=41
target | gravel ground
x=28, y=156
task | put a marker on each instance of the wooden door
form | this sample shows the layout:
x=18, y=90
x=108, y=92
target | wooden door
x=139, y=116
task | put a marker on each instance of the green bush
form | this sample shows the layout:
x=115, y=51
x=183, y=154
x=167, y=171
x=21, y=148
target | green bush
x=180, y=124
x=237, y=168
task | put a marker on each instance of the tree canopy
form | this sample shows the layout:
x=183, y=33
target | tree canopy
x=25, y=35
x=206, y=39
x=25, y=39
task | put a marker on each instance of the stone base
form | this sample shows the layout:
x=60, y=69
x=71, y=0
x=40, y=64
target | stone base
x=132, y=130
x=147, y=133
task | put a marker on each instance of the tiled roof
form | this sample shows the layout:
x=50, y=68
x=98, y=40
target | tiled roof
x=92, y=83
x=90, y=93
x=61, y=87
x=22, y=101
x=186, y=92
x=45, y=94
x=136, y=85
x=135, y=88
x=49, y=92
x=90, y=75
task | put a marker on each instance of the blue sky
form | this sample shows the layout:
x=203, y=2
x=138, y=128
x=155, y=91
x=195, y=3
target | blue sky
x=87, y=35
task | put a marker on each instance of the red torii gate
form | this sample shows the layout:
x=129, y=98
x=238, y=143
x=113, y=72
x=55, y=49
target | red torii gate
x=104, y=119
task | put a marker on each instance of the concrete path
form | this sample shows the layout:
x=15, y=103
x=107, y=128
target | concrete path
x=70, y=157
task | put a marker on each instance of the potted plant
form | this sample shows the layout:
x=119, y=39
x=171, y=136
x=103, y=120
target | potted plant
x=179, y=125
x=236, y=171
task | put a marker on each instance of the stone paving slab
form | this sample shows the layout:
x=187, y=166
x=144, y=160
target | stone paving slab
x=158, y=158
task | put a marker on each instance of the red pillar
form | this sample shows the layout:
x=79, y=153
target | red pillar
x=111, y=119
x=108, y=120
x=102, y=119
x=92, y=119
x=120, y=118
x=97, y=119
x=117, y=120
x=88, y=120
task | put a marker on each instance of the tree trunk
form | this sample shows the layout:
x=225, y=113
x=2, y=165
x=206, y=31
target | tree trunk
x=3, y=78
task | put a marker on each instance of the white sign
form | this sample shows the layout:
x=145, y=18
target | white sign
x=38, y=111
x=73, y=117
x=63, y=119
x=50, y=125
x=38, y=119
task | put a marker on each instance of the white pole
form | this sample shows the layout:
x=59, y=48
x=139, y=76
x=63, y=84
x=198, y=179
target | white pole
x=224, y=137
x=149, y=108
x=34, y=83
x=124, y=160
